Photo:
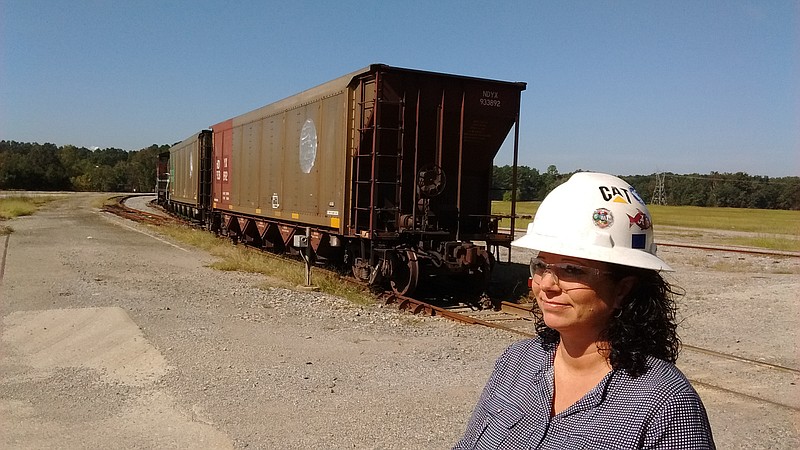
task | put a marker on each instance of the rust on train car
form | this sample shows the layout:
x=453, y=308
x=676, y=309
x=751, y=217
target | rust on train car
x=423, y=151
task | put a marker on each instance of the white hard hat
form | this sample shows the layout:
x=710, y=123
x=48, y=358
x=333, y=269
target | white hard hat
x=595, y=216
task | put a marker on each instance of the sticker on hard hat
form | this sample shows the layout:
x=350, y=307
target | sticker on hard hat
x=619, y=195
x=636, y=195
x=615, y=194
x=602, y=218
x=639, y=219
x=639, y=241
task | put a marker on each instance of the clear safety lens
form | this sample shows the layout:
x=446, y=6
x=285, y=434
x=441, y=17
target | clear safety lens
x=564, y=272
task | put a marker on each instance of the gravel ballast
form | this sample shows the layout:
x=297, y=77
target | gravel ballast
x=176, y=354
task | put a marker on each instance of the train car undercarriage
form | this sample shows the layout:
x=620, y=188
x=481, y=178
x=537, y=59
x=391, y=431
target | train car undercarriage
x=385, y=263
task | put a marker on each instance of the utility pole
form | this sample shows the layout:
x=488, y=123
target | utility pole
x=660, y=192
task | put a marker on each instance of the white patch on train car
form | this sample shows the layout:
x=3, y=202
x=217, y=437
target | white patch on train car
x=308, y=146
x=332, y=213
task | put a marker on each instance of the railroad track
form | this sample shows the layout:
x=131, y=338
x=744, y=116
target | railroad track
x=496, y=316
x=120, y=209
x=730, y=373
x=507, y=312
x=747, y=251
x=708, y=368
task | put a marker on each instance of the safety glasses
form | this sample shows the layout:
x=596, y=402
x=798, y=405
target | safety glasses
x=565, y=275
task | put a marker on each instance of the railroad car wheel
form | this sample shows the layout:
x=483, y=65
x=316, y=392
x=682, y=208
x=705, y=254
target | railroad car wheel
x=405, y=272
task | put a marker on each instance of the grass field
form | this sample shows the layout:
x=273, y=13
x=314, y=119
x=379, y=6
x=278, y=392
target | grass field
x=11, y=207
x=771, y=229
x=246, y=259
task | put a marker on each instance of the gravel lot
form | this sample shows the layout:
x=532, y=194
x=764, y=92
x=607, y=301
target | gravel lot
x=115, y=337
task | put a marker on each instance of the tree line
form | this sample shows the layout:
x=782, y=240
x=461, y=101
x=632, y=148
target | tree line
x=47, y=167
x=735, y=190
x=33, y=166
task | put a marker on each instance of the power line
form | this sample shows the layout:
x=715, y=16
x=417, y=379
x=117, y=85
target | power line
x=660, y=192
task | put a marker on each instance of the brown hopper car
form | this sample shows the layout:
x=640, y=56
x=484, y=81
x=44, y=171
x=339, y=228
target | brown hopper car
x=389, y=168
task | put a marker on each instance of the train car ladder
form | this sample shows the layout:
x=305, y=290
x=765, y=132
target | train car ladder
x=377, y=179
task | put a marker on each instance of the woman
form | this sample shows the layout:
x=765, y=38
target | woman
x=600, y=373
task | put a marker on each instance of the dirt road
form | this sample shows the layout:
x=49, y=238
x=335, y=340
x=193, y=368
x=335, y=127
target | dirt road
x=115, y=337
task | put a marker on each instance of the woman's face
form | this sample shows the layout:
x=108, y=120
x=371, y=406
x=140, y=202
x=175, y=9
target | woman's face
x=580, y=298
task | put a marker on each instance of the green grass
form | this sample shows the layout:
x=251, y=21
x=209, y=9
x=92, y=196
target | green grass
x=767, y=229
x=280, y=271
x=772, y=229
x=525, y=209
x=11, y=207
x=762, y=221
x=766, y=242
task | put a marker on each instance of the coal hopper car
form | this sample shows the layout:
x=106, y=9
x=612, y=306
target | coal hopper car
x=184, y=178
x=386, y=170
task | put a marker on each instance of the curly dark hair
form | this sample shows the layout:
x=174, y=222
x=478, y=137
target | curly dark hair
x=644, y=326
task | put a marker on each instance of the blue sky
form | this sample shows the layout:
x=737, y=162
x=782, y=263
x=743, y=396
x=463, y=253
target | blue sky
x=627, y=87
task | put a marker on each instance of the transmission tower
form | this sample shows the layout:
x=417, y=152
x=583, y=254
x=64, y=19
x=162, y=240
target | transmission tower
x=660, y=193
